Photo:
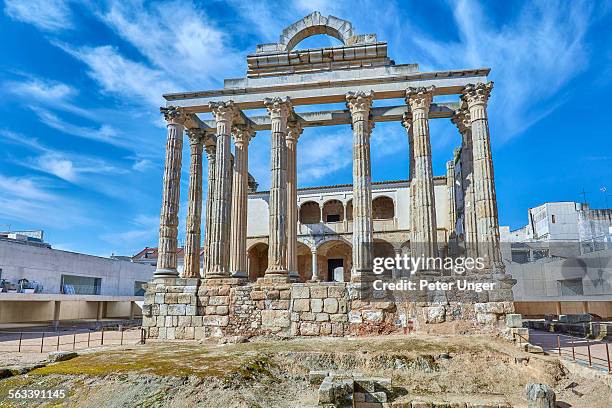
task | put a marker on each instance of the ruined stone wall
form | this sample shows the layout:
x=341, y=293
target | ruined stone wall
x=195, y=309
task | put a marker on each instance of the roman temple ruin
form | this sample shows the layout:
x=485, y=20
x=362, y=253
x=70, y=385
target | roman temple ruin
x=292, y=261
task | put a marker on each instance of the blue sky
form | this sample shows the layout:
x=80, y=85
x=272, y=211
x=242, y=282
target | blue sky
x=82, y=141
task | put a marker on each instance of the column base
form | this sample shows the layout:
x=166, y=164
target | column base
x=166, y=273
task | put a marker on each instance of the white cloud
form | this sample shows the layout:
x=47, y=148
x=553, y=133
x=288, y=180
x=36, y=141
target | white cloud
x=176, y=37
x=47, y=15
x=28, y=199
x=119, y=76
x=105, y=133
x=321, y=154
x=52, y=94
x=143, y=233
x=66, y=166
x=533, y=57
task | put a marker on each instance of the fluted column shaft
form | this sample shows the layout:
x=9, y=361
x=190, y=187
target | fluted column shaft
x=194, y=205
x=211, y=149
x=168, y=221
x=238, y=256
x=487, y=223
x=360, y=103
x=279, y=110
x=224, y=113
x=462, y=120
x=450, y=185
x=293, y=134
x=424, y=228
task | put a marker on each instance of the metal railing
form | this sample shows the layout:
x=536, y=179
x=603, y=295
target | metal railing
x=71, y=339
x=592, y=347
x=586, y=351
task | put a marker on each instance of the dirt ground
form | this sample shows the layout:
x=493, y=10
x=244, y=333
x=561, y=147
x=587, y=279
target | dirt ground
x=274, y=373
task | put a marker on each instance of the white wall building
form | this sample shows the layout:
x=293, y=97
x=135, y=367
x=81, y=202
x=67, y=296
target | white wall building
x=325, y=226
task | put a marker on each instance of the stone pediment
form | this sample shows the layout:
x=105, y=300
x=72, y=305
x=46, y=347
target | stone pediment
x=357, y=51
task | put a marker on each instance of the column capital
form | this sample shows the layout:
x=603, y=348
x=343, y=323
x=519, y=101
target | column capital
x=196, y=135
x=294, y=130
x=279, y=108
x=407, y=120
x=242, y=134
x=420, y=97
x=211, y=151
x=174, y=115
x=475, y=94
x=461, y=119
x=223, y=111
x=359, y=102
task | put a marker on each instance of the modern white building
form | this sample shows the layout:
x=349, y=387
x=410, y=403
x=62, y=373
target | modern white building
x=562, y=259
x=35, y=279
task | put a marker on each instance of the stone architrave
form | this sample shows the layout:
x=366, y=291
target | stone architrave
x=360, y=104
x=476, y=97
x=194, y=205
x=279, y=109
x=293, y=134
x=210, y=147
x=424, y=228
x=168, y=221
x=238, y=259
x=461, y=119
x=224, y=113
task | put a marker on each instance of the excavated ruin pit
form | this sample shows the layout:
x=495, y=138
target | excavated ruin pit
x=275, y=373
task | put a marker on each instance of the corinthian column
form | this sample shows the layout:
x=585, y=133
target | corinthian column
x=424, y=218
x=293, y=134
x=279, y=110
x=238, y=258
x=168, y=220
x=487, y=224
x=194, y=205
x=461, y=119
x=360, y=103
x=224, y=113
x=211, y=148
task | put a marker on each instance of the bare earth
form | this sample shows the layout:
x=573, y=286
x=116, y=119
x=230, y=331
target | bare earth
x=274, y=373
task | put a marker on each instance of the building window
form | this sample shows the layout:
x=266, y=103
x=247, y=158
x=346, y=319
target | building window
x=570, y=287
x=80, y=285
x=139, y=289
x=553, y=218
x=520, y=257
x=333, y=218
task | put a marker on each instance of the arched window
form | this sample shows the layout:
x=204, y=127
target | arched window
x=333, y=211
x=383, y=208
x=310, y=213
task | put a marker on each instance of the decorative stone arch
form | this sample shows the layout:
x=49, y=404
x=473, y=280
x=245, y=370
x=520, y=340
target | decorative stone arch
x=310, y=212
x=331, y=207
x=314, y=24
x=304, y=255
x=383, y=208
x=334, y=249
x=257, y=259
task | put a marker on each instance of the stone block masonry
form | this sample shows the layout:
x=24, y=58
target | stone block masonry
x=192, y=309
